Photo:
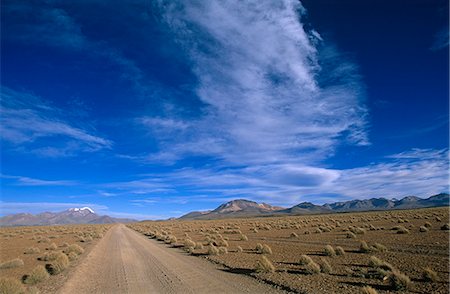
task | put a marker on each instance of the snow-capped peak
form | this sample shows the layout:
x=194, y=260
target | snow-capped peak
x=81, y=209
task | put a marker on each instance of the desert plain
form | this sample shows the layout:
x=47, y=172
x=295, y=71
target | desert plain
x=404, y=251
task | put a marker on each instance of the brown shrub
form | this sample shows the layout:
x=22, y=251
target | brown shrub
x=368, y=290
x=399, y=281
x=264, y=265
x=38, y=275
x=429, y=275
x=325, y=267
x=11, y=286
x=339, y=250
x=16, y=262
x=59, y=264
x=32, y=250
x=329, y=251
x=312, y=268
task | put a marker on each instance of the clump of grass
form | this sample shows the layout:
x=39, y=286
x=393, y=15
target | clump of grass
x=423, y=229
x=239, y=249
x=364, y=248
x=259, y=248
x=11, y=286
x=350, y=235
x=312, y=268
x=52, y=247
x=305, y=259
x=32, y=250
x=212, y=250
x=189, y=243
x=429, y=275
x=445, y=227
x=378, y=263
x=368, y=290
x=402, y=230
x=72, y=256
x=399, y=281
x=59, y=264
x=294, y=235
x=223, y=250
x=38, y=275
x=199, y=246
x=264, y=265
x=329, y=251
x=325, y=267
x=427, y=224
x=379, y=247
x=339, y=250
x=16, y=262
x=75, y=248
x=266, y=249
x=243, y=237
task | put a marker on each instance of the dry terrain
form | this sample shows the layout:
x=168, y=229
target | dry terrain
x=411, y=243
x=127, y=262
x=23, y=249
x=389, y=251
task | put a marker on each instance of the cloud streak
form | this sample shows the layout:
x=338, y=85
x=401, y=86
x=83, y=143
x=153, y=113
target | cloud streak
x=26, y=120
x=272, y=91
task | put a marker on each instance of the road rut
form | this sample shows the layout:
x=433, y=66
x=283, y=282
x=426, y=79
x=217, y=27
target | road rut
x=126, y=262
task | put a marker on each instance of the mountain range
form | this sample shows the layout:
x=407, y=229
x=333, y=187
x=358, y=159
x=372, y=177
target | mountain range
x=247, y=208
x=83, y=215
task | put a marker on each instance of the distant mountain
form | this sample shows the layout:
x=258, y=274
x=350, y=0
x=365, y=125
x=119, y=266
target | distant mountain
x=361, y=205
x=246, y=208
x=305, y=208
x=235, y=208
x=83, y=215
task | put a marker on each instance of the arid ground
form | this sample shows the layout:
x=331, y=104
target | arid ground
x=391, y=252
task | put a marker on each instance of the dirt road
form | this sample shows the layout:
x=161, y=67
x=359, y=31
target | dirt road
x=127, y=262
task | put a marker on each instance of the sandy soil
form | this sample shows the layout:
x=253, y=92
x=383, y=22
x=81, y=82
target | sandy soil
x=127, y=262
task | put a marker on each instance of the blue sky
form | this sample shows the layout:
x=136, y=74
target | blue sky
x=151, y=109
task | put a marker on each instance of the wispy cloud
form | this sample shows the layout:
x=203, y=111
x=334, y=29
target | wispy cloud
x=271, y=91
x=26, y=119
x=420, y=172
x=441, y=39
x=37, y=207
x=26, y=181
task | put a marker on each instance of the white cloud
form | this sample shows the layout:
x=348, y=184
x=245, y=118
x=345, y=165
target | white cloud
x=25, y=119
x=260, y=79
x=26, y=181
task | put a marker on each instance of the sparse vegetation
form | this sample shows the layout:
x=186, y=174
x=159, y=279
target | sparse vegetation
x=368, y=290
x=38, y=275
x=399, y=281
x=264, y=265
x=429, y=275
x=32, y=250
x=11, y=286
x=312, y=268
x=16, y=262
x=325, y=266
x=58, y=265
x=329, y=251
x=339, y=250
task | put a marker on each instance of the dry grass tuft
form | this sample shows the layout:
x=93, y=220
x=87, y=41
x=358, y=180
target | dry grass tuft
x=325, y=267
x=16, y=262
x=32, y=250
x=59, y=264
x=339, y=250
x=11, y=286
x=264, y=265
x=399, y=281
x=364, y=248
x=239, y=249
x=312, y=268
x=74, y=248
x=212, y=250
x=305, y=259
x=368, y=290
x=429, y=275
x=378, y=263
x=38, y=275
x=423, y=229
x=329, y=251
